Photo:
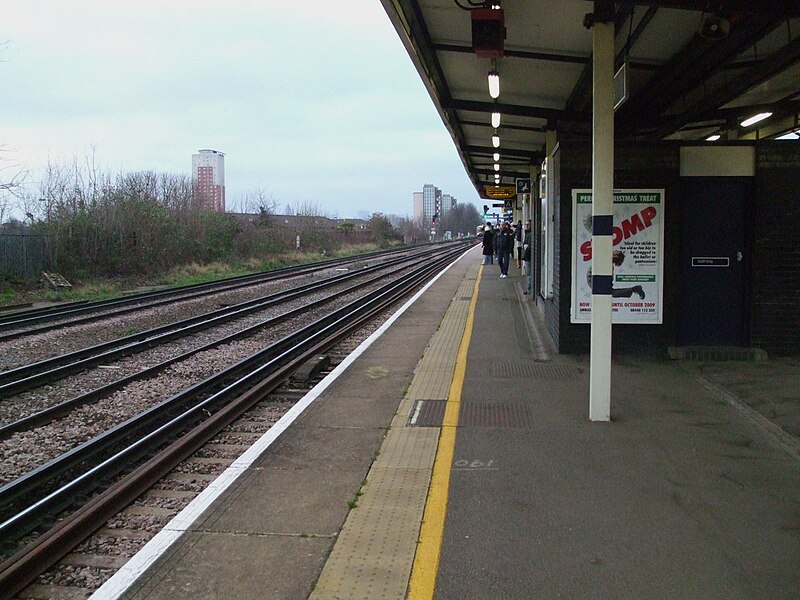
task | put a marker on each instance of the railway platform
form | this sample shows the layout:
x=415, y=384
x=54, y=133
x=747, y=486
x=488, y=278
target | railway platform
x=453, y=458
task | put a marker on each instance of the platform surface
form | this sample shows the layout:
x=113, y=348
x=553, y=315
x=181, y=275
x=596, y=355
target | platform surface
x=692, y=491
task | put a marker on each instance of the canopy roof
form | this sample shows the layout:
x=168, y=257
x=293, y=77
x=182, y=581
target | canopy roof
x=682, y=84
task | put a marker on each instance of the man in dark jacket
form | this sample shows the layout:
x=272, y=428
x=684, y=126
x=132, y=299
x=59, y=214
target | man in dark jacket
x=488, y=245
x=504, y=241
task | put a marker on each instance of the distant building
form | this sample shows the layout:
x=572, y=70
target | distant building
x=430, y=203
x=208, y=176
x=417, y=211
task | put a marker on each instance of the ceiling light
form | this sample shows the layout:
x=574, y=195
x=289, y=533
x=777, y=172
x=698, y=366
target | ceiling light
x=496, y=140
x=496, y=156
x=756, y=119
x=495, y=120
x=792, y=135
x=494, y=84
x=496, y=167
x=713, y=138
x=497, y=177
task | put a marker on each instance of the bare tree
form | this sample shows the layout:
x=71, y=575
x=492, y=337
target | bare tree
x=308, y=208
x=12, y=178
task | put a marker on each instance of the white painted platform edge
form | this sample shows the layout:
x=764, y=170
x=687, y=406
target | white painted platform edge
x=123, y=579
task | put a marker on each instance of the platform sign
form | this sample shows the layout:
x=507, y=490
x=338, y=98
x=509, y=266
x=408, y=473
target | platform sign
x=523, y=185
x=499, y=192
x=638, y=245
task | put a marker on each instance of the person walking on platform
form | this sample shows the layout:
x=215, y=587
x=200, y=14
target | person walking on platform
x=504, y=241
x=526, y=258
x=518, y=243
x=488, y=245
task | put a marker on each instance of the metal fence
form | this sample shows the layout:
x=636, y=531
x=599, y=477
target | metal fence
x=22, y=255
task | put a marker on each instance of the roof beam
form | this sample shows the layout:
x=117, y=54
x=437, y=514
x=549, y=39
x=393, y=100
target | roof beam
x=519, y=110
x=783, y=8
x=531, y=155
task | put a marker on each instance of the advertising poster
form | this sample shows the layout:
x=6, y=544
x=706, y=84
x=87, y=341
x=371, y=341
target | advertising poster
x=638, y=256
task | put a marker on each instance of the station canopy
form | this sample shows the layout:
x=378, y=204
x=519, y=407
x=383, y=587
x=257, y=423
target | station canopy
x=690, y=69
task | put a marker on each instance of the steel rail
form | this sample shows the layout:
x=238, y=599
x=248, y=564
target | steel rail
x=46, y=415
x=36, y=480
x=47, y=311
x=23, y=568
x=133, y=303
x=26, y=377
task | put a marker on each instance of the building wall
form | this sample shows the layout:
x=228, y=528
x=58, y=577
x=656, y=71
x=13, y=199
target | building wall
x=775, y=310
x=774, y=282
x=417, y=207
x=208, y=174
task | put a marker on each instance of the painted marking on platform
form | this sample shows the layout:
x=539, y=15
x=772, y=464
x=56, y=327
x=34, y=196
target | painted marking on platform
x=476, y=465
x=422, y=582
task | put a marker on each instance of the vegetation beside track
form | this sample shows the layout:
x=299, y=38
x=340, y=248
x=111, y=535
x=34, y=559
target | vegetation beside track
x=91, y=288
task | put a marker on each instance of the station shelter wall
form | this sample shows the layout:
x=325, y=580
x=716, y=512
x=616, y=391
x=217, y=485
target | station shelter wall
x=773, y=279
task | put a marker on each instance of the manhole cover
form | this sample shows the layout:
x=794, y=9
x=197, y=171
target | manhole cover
x=511, y=415
x=522, y=370
x=427, y=413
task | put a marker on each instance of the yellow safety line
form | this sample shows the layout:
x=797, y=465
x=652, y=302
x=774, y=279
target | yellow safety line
x=426, y=561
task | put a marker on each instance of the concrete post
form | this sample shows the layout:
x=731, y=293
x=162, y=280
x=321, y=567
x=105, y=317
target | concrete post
x=602, y=219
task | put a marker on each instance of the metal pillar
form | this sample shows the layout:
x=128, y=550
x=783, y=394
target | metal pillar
x=602, y=213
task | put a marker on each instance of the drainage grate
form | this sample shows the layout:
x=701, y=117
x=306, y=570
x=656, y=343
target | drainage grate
x=511, y=415
x=427, y=413
x=522, y=370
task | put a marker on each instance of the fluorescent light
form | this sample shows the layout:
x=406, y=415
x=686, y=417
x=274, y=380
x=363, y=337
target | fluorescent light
x=496, y=156
x=494, y=84
x=792, y=135
x=713, y=138
x=756, y=118
x=496, y=140
x=496, y=167
x=495, y=120
x=497, y=177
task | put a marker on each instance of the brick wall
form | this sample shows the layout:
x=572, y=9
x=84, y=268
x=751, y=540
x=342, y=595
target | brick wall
x=775, y=309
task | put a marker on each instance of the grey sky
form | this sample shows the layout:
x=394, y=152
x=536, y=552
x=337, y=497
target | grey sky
x=314, y=101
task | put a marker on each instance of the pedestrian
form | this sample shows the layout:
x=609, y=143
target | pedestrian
x=488, y=245
x=504, y=242
x=526, y=257
x=518, y=243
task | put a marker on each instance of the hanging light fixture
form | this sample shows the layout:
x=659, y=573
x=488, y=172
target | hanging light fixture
x=495, y=120
x=496, y=140
x=713, y=137
x=756, y=118
x=496, y=166
x=494, y=84
x=496, y=156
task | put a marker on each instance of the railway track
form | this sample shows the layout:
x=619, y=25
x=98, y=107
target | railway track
x=86, y=486
x=38, y=320
x=16, y=380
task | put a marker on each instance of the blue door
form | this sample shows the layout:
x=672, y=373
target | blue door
x=713, y=262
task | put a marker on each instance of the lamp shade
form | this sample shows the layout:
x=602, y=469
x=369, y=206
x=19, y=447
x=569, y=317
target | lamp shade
x=494, y=84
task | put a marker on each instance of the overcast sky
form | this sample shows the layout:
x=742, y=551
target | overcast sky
x=313, y=101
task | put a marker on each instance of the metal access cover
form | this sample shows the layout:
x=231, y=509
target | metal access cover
x=520, y=370
x=511, y=415
x=427, y=413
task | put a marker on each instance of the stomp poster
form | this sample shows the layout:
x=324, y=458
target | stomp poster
x=638, y=256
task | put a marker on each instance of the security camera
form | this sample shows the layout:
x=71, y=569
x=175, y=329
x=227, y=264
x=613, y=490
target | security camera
x=714, y=27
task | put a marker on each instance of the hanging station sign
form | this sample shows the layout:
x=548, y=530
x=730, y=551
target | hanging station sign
x=499, y=192
x=638, y=256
